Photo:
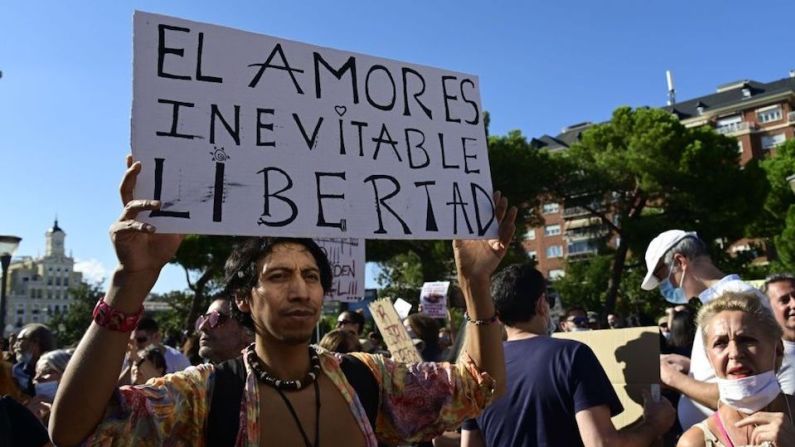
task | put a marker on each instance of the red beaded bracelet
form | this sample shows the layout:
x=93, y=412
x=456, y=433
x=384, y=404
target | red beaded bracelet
x=114, y=319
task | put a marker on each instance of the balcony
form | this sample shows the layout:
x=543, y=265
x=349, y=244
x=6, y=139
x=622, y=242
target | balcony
x=587, y=233
x=582, y=253
x=736, y=128
x=581, y=248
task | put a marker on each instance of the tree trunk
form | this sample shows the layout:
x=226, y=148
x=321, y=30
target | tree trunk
x=616, y=271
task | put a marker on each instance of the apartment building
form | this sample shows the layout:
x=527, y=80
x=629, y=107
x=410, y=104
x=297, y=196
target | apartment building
x=760, y=116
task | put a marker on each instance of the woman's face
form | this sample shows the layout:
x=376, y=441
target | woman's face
x=142, y=371
x=737, y=347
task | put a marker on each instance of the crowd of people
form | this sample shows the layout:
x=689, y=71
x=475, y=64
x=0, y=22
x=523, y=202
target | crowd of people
x=253, y=377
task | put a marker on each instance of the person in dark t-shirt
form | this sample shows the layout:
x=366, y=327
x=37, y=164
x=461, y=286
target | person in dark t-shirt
x=558, y=393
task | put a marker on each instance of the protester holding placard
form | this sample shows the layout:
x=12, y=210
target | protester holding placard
x=293, y=394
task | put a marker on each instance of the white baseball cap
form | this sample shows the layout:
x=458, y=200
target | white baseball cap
x=658, y=247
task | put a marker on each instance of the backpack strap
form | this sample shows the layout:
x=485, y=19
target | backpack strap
x=364, y=384
x=223, y=421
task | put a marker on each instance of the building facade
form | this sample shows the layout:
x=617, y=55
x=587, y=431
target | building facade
x=760, y=116
x=39, y=288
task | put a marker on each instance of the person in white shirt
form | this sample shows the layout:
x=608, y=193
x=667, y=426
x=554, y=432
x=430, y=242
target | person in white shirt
x=147, y=333
x=679, y=264
x=780, y=290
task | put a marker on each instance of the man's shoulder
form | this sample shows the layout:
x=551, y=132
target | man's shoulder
x=553, y=343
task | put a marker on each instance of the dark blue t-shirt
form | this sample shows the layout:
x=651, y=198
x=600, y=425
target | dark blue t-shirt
x=549, y=381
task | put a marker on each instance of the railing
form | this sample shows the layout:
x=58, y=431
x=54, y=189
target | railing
x=585, y=233
x=574, y=211
x=582, y=252
x=733, y=128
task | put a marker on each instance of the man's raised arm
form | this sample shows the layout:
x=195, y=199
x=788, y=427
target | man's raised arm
x=476, y=260
x=91, y=375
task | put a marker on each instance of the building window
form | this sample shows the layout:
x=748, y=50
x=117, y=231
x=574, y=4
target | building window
x=66, y=282
x=771, y=141
x=740, y=146
x=58, y=281
x=49, y=281
x=556, y=274
x=532, y=254
x=554, y=251
x=552, y=230
x=530, y=235
x=769, y=114
x=550, y=208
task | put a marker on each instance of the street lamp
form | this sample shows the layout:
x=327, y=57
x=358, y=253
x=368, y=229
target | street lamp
x=8, y=245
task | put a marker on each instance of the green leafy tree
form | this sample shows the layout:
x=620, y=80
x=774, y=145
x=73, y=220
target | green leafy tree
x=172, y=321
x=643, y=172
x=585, y=285
x=70, y=326
x=202, y=258
x=777, y=221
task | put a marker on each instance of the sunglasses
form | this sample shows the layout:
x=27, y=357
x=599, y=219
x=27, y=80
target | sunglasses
x=213, y=320
x=578, y=320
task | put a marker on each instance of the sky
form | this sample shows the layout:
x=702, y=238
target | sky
x=66, y=85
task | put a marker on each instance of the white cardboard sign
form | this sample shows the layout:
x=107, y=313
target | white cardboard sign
x=248, y=134
x=433, y=299
x=346, y=257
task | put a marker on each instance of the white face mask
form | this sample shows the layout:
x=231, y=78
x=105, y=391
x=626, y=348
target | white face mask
x=749, y=394
x=46, y=389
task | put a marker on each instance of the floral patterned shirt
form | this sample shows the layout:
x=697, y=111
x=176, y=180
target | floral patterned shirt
x=417, y=402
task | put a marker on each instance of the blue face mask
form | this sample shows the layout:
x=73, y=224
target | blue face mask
x=674, y=295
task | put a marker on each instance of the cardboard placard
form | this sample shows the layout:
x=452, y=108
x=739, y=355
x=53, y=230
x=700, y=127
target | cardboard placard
x=433, y=299
x=248, y=134
x=347, y=265
x=631, y=359
x=395, y=336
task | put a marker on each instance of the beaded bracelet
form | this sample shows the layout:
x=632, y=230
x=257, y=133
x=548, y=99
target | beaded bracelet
x=480, y=322
x=115, y=320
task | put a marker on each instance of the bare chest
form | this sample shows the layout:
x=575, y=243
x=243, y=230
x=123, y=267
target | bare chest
x=333, y=421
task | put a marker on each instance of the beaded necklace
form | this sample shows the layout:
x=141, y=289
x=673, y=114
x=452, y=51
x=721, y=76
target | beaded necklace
x=281, y=385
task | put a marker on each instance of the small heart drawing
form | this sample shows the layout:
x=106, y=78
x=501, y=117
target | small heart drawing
x=340, y=110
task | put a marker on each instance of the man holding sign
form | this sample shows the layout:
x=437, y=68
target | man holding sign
x=292, y=394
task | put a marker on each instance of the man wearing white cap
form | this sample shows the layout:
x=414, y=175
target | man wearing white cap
x=678, y=262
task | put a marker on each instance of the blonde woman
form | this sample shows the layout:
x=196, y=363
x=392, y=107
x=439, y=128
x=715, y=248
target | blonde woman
x=743, y=343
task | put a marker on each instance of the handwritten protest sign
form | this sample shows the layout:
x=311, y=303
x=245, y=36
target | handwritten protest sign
x=433, y=298
x=247, y=134
x=347, y=266
x=631, y=359
x=395, y=335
